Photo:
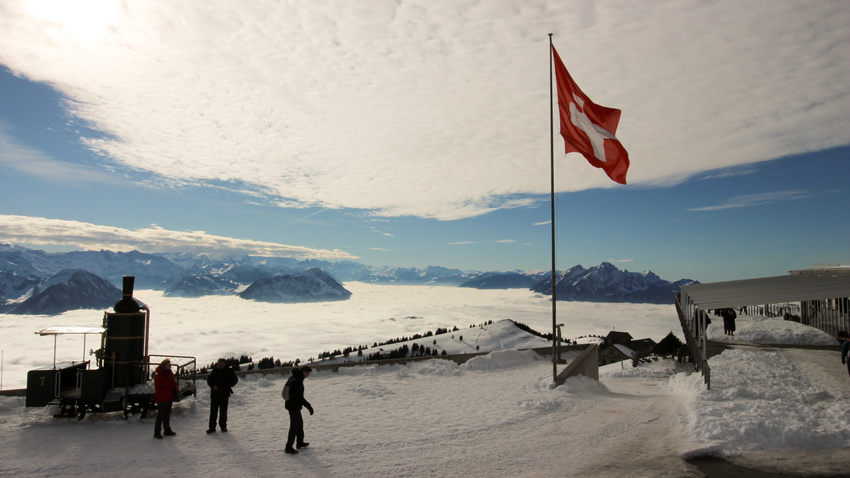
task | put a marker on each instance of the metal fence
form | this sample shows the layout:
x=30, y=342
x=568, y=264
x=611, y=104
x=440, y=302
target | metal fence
x=694, y=321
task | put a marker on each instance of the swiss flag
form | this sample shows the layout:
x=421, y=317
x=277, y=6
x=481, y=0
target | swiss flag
x=588, y=128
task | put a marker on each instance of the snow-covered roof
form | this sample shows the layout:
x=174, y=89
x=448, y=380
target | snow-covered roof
x=767, y=290
x=624, y=350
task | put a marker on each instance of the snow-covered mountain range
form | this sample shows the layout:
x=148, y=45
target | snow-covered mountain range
x=283, y=279
x=606, y=283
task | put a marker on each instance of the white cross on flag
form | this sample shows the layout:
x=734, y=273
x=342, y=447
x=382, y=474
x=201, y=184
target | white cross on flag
x=589, y=128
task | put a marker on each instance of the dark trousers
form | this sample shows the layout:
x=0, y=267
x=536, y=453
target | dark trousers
x=296, y=428
x=218, y=407
x=163, y=417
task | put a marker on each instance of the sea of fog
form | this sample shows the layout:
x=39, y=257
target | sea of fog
x=224, y=326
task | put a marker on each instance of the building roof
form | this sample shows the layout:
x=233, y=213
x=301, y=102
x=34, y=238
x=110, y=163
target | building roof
x=642, y=344
x=624, y=350
x=618, y=337
x=767, y=290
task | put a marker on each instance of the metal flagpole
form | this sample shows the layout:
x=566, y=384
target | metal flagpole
x=552, y=200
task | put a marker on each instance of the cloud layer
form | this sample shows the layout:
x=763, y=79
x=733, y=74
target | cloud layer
x=432, y=108
x=40, y=231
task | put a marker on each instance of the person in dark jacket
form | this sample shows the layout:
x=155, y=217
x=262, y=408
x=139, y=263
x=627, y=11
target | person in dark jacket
x=293, y=394
x=221, y=380
x=165, y=388
x=729, y=317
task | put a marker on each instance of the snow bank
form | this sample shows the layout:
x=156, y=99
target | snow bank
x=434, y=367
x=761, y=400
x=758, y=329
x=662, y=368
x=500, y=359
x=11, y=403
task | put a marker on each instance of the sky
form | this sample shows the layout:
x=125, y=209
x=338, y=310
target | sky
x=775, y=409
x=417, y=133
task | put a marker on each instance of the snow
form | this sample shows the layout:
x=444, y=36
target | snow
x=768, y=330
x=772, y=408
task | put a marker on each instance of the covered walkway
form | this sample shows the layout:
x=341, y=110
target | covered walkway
x=818, y=300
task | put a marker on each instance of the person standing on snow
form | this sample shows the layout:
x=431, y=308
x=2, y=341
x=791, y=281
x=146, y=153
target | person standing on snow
x=844, y=338
x=166, y=388
x=221, y=380
x=293, y=394
x=729, y=316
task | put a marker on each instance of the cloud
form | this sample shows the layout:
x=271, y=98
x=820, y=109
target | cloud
x=749, y=200
x=728, y=174
x=433, y=109
x=41, y=231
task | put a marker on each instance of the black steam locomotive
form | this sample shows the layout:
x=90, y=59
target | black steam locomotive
x=123, y=379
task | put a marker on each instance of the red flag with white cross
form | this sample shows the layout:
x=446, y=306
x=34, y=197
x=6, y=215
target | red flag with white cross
x=589, y=128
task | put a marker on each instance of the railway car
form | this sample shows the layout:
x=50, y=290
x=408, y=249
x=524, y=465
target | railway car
x=121, y=378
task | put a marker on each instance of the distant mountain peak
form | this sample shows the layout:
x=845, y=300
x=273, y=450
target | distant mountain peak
x=69, y=289
x=312, y=285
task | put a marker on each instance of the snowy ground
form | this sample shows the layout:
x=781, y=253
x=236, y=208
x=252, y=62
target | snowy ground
x=778, y=409
x=493, y=416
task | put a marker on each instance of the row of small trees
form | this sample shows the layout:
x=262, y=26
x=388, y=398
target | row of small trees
x=347, y=351
x=265, y=362
x=235, y=363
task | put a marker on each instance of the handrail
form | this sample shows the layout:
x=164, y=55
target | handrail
x=697, y=352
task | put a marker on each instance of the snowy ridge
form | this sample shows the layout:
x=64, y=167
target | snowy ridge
x=498, y=336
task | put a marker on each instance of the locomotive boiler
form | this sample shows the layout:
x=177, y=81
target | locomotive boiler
x=122, y=376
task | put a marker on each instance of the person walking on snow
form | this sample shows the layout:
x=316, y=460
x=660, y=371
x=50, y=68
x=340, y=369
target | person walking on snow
x=221, y=380
x=165, y=388
x=293, y=394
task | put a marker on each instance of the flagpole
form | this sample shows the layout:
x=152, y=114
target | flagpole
x=552, y=201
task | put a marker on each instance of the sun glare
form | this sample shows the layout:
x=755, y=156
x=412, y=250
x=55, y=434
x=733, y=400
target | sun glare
x=85, y=22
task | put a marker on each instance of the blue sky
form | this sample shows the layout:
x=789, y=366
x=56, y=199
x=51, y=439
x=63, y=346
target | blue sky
x=417, y=133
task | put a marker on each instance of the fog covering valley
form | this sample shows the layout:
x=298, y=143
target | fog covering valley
x=225, y=326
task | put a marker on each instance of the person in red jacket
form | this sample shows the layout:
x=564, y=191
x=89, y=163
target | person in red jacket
x=166, y=388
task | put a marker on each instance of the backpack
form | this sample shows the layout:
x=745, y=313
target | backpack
x=284, y=394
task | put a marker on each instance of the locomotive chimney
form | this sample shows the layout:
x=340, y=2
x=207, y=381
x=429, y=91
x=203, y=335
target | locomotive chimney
x=125, y=338
x=127, y=304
